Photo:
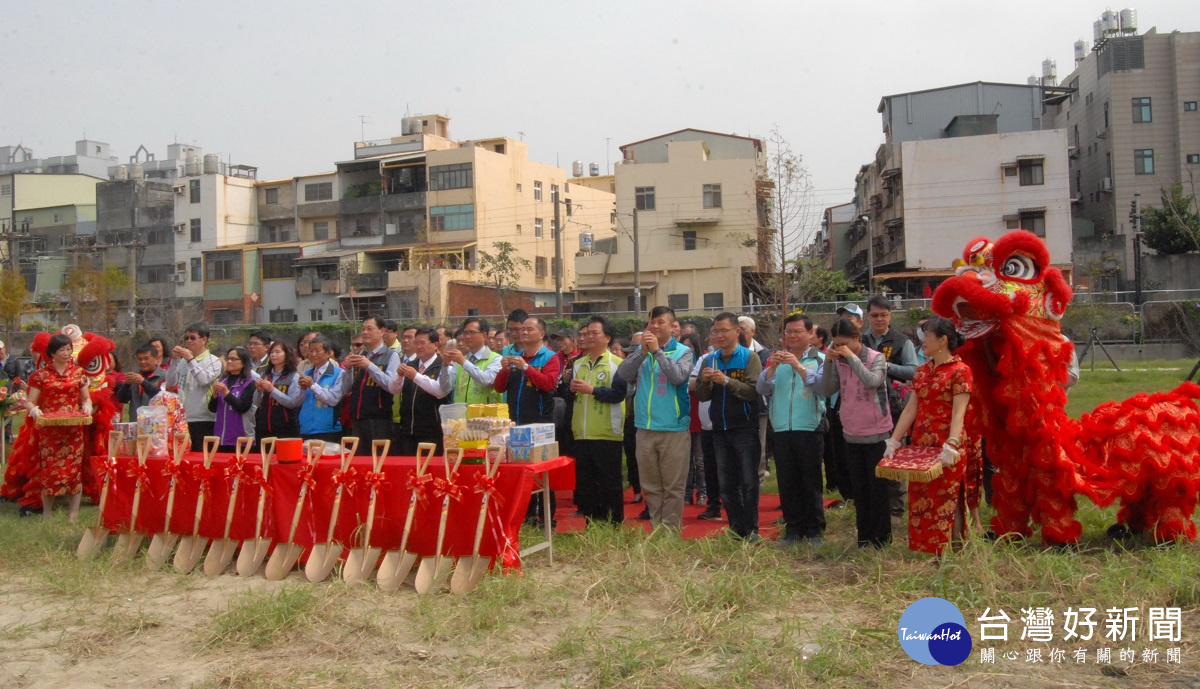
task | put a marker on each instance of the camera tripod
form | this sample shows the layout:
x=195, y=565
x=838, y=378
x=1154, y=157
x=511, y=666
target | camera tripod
x=1093, y=339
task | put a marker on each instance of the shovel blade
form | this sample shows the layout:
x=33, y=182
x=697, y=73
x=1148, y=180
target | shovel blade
x=478, y=572
x=462, y=574
x=219, y=556
x=407, y=561
x=251, y=556
x=321, y=561
x=282, y=560
x=127, y=545
x=441, y=569
x=191, y=549
x=92, y=541
x=425, y=571
x=388, y=569
x=160, y=549
x=360, y=563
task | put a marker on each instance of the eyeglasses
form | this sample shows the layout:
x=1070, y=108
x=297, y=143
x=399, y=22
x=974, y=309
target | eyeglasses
x=355, y=344
x=795, y=332
x=722, y=331
x=189, y=338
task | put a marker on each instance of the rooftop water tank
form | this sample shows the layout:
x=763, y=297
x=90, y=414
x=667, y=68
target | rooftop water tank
x=1129, y=20
x=577, y=168
x=212, y=164
x=122, y=173
x=594, y=169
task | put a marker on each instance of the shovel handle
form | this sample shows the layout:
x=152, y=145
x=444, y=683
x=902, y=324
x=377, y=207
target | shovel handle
x=349, y=447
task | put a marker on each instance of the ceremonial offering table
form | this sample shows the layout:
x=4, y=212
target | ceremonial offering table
x=510, y=490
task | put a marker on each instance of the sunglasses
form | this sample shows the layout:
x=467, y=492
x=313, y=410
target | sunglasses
x=355, y=344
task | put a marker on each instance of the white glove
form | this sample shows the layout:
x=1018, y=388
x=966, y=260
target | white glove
x=949, y=455
x=890, y=447
x=86, y=408
x=35, y=412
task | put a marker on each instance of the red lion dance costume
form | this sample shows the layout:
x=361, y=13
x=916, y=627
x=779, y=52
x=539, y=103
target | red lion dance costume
x=95, y=357
x=1008, y=301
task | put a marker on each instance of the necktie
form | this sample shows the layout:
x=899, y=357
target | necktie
x=422, y=368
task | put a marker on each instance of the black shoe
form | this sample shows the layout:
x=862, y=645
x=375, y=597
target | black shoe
x=712, y=513
x=645, y=515
x=637, y=498
x=687, y=500
x=26, y=511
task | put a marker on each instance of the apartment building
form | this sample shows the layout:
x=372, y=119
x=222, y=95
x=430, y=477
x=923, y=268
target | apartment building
x=704, y=229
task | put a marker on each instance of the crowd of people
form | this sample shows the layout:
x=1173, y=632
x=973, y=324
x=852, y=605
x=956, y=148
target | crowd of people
x=686, y=417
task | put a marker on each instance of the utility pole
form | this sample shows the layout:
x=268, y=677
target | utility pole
x=1135, y=219
x=558, y=288
x=637, y=275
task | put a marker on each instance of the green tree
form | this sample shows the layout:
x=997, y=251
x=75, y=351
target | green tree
x=502, y=269
x=14, y=299
x=1173, y=227
x=816, y=283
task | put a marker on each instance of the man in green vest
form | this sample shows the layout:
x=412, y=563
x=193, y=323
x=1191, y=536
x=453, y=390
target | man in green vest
x=474, y=368
x=598, y=424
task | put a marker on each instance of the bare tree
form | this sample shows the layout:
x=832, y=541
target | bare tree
x=792, y=204
x=502, y=269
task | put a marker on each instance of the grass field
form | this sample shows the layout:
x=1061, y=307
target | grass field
x=617, y=609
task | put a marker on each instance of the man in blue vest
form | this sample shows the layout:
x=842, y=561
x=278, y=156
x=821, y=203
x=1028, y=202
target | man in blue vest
x=727, y=379
x=516, y=321
x=661, y=367
x=474, y=368
x=366, y=386
x=320, y=415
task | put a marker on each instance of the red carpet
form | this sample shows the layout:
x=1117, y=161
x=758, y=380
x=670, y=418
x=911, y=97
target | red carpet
x=768, y=513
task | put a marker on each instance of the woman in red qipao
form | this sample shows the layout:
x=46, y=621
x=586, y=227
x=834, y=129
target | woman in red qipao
x=59, y=388
x=942, y=387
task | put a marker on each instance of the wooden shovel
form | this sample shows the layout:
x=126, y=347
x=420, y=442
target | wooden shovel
x=433, y=569
x=251, y=555
x=129, y=541
x=94, y=537
x=362, y=560
x=398, y=563
x=324, y=556
x=220, y=553
x=284, y=557
x=164, y=541
x=470, y=570
x=191, y=548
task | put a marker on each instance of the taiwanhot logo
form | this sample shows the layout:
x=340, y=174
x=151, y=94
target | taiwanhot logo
x=933, y=632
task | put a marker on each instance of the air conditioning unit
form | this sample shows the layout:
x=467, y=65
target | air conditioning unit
x=1101, y=133
x=1106, y=184
x=178, y=277
x=178, y=188
x=179, y=227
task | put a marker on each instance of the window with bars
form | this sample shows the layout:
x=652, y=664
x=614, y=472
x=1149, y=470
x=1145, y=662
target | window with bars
x=1032, y=172
x=318, y=191
x=459, y=176
x=449, y=218
x=539, y=267
x=278, y=266
x=223, y=266
x=644, y=198
x=1141, y=110
x=712, y=195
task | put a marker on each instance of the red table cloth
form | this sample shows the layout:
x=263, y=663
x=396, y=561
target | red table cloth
x=510, y=492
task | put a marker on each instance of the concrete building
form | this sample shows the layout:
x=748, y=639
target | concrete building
x=702, y=201
x=829, y=244
x=413, y=213
x=91, y=158
x=958, y=162
x=1133, y=127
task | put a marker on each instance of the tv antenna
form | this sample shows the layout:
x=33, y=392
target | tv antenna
x=362, y=127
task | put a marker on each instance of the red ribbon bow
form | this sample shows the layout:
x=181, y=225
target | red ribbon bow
x=109, y=468
x=487, y=484
x=416, y=484
x=203, y=477
x=346, y=479
x=175, y=470
x=255, y=477
x=377, y=480
x=306, y=476
x=140, y=474
x=236, y=469
x=450, y=489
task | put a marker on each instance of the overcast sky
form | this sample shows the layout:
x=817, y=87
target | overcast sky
x=281, y=85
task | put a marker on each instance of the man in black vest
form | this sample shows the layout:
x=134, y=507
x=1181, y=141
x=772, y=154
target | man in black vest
x=366, y=389
x=901, y=367
x=420, y=396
